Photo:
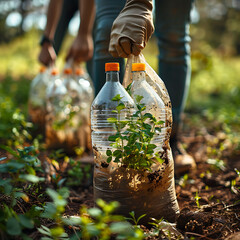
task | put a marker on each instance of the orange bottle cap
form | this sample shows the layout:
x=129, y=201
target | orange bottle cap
x=67, y=71
x=54, y=72
x=42, y=69
x=79, y=71
x=138, y=67
x=113, y=66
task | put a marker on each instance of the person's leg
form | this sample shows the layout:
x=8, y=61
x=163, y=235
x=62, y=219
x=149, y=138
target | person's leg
x=70, y=7
x=172, y=31
x=106, y=12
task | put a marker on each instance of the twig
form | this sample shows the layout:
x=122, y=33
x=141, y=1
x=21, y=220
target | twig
x=232, y=205
x=198, y=235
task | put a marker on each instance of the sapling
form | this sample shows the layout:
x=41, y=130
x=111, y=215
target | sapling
x=197, y=198
x=132, y=141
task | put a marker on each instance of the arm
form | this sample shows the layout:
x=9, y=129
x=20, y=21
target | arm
x=82, y=47
x=132, y=28
x=47, y=55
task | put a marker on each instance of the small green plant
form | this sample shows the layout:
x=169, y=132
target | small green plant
x=197, y=198
x=164, y=229
x=183, y=180
x=217, y=164
x=235, y=189
x=54, y=210
x=94, y=222
x=17, y=171
x=132, y=141
x=78, y=173
x=134, y=219
x=14, y=128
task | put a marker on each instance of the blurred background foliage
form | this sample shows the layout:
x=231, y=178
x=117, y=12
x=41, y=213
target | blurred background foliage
x=214, y=96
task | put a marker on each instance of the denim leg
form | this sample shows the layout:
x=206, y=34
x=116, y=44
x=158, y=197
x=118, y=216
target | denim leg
x=106, y=13
x=70, y=7
x=172, y=30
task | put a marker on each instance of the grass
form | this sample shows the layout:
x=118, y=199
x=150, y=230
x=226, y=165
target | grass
x=214, y=91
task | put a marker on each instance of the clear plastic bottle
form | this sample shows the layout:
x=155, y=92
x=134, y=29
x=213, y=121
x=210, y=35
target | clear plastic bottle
x=63, y=112
x=151, y=99
x=87, y=88
x=102, y=109
x=37, y=99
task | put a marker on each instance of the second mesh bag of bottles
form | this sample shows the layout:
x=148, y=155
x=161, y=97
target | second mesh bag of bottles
x=65, y=118
x=133, y=161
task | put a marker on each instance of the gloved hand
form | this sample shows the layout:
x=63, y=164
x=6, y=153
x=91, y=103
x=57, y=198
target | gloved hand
x=132, y=28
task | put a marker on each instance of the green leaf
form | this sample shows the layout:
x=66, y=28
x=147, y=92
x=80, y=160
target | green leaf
x=123, y=228
x=8, y=149
x=148, y=115
x=109, y=152
x=31, y=178
x=117, y=98
x=138, y=98
x=109, y=159
x=117, y=153
x=58, y=232
x=142, y=216
x=158, y=129
x=113, y=138
x=26, y=222
x=112, y=120
x=72, y=221
x=120, y=106
x=45, y=230
x=151, y=146
x=13, y=227
x=147, y=126
x=95, y=212
x=117, y=160
x=138, y=145
x=92, y=230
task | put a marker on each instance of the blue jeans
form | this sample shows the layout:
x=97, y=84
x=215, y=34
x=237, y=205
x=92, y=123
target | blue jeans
x=172, y=18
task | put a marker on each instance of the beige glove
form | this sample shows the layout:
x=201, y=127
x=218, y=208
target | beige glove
x=132, y=28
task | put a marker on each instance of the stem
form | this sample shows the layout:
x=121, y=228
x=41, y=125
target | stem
x=118, y=131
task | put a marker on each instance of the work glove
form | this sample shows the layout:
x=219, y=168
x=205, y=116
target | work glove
x=132, y=28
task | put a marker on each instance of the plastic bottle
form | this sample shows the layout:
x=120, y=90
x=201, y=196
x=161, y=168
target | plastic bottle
x=151, y=99
x=86, y=85
x=101, y=110
x=143, y=191
x=37, y=99
x=63, y=112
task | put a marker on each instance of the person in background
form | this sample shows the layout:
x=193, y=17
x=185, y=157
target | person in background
x=123, y=27
x=59, y=14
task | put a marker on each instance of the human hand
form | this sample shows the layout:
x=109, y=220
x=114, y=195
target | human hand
x=47, y=55
x=132, y=28
x=81, y=49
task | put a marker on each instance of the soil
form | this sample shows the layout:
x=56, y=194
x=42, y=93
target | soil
x=216, y=215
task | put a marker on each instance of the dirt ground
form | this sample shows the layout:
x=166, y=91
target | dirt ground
x=215, y=214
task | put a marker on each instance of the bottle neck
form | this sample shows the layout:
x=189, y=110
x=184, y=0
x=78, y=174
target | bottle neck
x=112, y=76
x=138, y=75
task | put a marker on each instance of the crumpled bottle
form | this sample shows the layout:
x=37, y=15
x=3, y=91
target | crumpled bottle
x=37, y=99
x=63, y=112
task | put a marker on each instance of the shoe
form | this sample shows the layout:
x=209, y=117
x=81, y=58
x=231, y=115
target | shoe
x=183, y=162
